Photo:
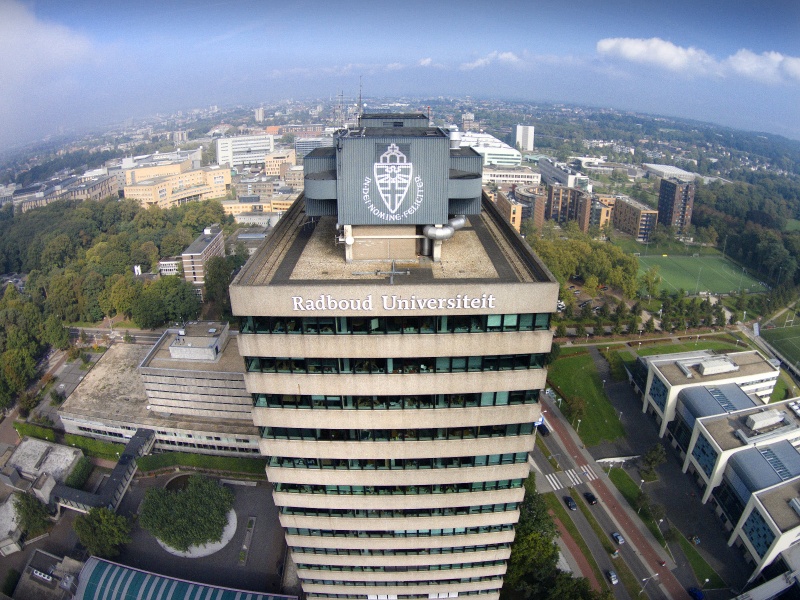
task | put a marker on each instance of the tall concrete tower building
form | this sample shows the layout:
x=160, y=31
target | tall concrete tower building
x=525, y=137
x=675, y=203
x=395, y=330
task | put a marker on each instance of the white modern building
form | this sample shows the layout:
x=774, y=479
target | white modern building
x=669, y=172
x=502, y=175
x=661, y=378
x=492, y=150
x=244, y=149
x=525, y=137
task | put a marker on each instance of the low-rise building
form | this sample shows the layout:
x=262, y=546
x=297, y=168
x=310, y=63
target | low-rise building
x=659, y=379
x=167, y=191
x=88, y=412
x=492, y=150
x=503, y=175
x=274, y=160
x=558, y=173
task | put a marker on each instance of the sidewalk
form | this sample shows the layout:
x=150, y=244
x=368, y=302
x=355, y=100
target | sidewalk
x=575, y=558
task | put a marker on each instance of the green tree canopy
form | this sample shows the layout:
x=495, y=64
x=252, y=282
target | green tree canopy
x=192, y=516
x=102, y=532
x=32, y=514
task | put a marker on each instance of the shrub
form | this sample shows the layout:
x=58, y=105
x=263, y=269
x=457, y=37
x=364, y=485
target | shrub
x=80, y=474
x=93, y=447
x=34, y=431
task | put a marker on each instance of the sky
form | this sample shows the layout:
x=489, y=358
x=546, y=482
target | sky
x=80, y=63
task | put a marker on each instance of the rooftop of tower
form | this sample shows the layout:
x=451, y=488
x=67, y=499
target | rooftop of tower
x=486, y=250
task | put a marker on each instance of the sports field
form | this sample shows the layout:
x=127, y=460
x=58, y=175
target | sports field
x=713, y=274
x=785, y=340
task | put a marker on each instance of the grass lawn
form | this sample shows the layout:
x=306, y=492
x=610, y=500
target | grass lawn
x=714, y=274
x=701, y=344
x=785, y=340
x=576, y=378
x=559, y=512
x=701, y=568
x=782, y=389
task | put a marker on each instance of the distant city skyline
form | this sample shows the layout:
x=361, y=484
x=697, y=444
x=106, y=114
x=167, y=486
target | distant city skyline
x=82, y=63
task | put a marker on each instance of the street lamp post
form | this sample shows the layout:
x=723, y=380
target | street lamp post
x=553, y=456
x=578, y=427
x=641, y=484
x=646, y=580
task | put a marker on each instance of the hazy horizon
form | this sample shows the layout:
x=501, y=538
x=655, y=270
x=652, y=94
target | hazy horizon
x=78, y=65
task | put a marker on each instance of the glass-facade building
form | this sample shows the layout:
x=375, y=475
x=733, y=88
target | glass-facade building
x=395, y=330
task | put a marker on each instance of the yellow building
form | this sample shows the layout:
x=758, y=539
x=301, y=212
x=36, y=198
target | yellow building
x=188, y=186
x=274, y=160
x=510, y=209
x=151, y=171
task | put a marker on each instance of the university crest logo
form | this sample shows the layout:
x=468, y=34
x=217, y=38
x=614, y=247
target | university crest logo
x=393, y=177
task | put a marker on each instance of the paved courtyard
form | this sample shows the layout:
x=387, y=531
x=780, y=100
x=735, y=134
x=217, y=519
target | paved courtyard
x=262, y=571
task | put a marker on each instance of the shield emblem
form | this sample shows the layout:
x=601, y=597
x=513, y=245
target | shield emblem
x=393, y=176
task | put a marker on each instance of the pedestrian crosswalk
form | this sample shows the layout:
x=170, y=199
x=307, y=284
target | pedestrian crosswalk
x=574, y=477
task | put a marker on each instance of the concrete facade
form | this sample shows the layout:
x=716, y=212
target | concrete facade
x=396, y=396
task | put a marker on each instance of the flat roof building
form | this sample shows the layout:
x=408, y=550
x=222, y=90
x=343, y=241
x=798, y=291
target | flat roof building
x=394, y=329
x=138, y=373
x=492, y=150
x=525, y=137
x=195, y=258
x=661, y=378
x=244, y=150
x=634, y=218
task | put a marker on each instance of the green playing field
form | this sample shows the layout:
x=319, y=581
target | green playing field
x=785, y=340
x=713, y=274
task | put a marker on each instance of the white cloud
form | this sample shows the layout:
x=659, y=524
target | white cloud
x=395, y=66
x=769, y=67
x=425, y=62
x=31, y=48
x=658, y=52
x=485, y=61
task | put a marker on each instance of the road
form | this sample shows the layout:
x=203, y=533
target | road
x=577, y=469
x=140, y=336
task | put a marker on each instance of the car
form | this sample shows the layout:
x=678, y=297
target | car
x=572, y=287
x=590, y=498
x=604, y=288
x=577, y=292
x=570, y=503
x=617, y=537
x=696, y=593
x=585, y=303
x=543, y=429
x=612, y=577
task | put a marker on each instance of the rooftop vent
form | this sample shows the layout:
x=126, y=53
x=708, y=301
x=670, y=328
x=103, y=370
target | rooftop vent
x=764, y=419
x=795, y=504
x=715, y=366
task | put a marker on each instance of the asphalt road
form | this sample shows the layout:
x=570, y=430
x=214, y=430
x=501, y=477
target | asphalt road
x=612, y=513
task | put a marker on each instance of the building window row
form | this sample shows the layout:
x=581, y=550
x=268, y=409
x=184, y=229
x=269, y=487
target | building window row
x=400, y=552
x=441, y=364
x=360, y=464
x=349, y=513
x=399, y=533
x=396, y=402
x=402, y=596
x=396, y=435
x=402, y=569
x=396, y=325
x=439, y=582
x=399, y=490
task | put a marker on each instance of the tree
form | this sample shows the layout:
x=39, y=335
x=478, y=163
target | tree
x=561, y=330
x=654, y=457
x=192, y=516
x=102, y=532
x=55, y=334
x=217, y=279
x=32, y=514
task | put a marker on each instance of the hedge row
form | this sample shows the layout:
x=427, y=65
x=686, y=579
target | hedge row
x=80, y=474
x=34, y=431
x=233, y=464
x=93, y=447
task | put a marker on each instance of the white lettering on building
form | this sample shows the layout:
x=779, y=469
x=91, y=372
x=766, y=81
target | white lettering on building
x=394, y=303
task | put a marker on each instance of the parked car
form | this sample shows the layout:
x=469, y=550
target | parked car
x=543, y=429
x=570, y=503
x=590, y=498
x=617, y=537
x=604, y=288
x=696, y=593
x=572, y=287
x=612, y=577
